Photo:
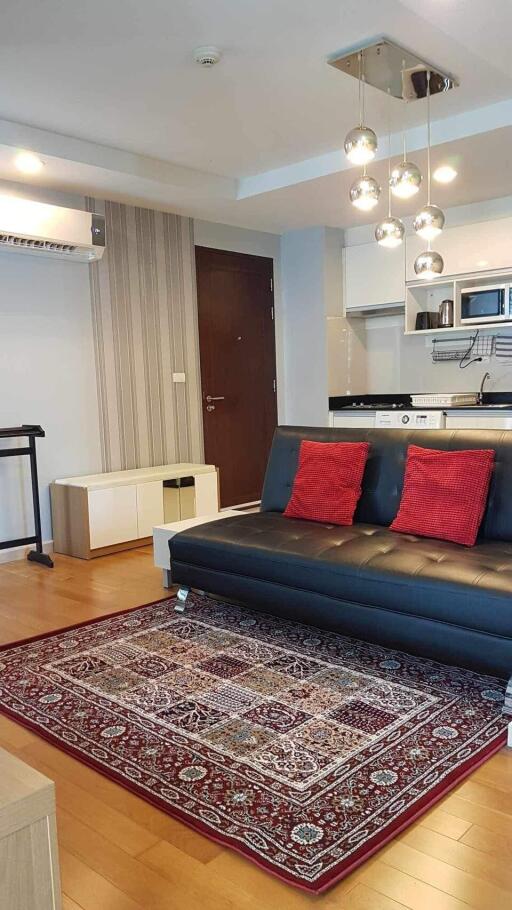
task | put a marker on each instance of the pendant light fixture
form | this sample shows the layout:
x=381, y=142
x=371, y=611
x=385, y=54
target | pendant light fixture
x=405, y=75
x=405, y=178
x=390, y=231
x=429, y=221
x=429, y=265
x=361, y=142
x=365, y=192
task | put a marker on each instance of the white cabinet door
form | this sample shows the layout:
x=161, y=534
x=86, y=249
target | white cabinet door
x=373, y=275
x=469, y=248
x=112, y=516
x=358, y=419
x=477, y=422
x=150, y=507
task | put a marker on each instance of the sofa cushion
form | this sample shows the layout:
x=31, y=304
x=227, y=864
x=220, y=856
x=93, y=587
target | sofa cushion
x=445, y=493
x=384, y=472
x=363, y=563
x=327, y=484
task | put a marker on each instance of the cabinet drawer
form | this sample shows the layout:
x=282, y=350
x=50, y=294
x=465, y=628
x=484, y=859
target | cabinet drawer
x=112, y=516
x=150, y=507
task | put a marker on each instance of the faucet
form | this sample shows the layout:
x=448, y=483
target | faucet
x=481, y=392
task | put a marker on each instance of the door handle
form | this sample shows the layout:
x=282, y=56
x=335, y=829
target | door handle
x=215, y=397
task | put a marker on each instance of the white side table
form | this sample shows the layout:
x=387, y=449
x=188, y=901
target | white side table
x=163, y=533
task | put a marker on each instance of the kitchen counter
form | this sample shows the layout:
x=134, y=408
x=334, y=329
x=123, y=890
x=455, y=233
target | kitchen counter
x=501, y=401
x=501, y=408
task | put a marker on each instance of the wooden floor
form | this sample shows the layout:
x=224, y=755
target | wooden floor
x=118, y=853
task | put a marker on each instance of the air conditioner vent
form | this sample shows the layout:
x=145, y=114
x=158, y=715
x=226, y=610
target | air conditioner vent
x=40, y=229
x=44, y=245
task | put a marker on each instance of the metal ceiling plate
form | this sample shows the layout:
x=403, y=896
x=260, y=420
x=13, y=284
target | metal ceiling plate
x=393, y=69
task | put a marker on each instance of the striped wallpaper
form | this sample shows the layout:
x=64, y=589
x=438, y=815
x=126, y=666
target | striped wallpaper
x=144, y=312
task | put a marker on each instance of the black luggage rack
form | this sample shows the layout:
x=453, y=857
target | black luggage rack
x=30, y=431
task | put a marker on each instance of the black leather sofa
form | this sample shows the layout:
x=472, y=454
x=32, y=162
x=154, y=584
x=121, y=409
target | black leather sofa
x=427, y=597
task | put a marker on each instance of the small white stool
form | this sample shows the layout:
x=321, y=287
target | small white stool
x=163, y=533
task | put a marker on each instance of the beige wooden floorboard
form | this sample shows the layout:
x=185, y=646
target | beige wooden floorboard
x=470, y=887
x=489, y=842
x=363, y=898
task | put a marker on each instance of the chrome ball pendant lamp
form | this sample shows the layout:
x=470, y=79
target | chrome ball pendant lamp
x=429, y=221
x=361, y=141
x=429, y=265
x=405, y=179
x=390, y=231
x=365, y=193
x=360, y=145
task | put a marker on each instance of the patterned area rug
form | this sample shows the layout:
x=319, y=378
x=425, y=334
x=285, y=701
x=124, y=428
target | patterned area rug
x=303, y=750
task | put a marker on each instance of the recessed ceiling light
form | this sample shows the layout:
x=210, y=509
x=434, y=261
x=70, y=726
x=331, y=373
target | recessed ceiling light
x=445, y=173
x=28, y=163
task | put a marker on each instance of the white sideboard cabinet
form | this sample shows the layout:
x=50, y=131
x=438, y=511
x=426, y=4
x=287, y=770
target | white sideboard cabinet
x=102, y=513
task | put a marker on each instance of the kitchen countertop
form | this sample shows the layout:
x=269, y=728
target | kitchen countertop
x=501, y=401
x=502, y=408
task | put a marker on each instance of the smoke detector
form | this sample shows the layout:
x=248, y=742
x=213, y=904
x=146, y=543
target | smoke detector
x=207, y=56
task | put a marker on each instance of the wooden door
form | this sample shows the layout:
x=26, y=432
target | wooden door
x=238, y=368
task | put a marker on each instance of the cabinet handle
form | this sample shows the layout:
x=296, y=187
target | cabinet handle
x=215, y=397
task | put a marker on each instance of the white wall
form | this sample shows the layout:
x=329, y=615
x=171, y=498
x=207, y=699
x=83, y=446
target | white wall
x=418, y=373
x=383, y=354
x=235, y=240
x=304, y=318
x=47, y=376
x=316, y=337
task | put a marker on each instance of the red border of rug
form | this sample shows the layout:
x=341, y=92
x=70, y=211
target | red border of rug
x=329, y=878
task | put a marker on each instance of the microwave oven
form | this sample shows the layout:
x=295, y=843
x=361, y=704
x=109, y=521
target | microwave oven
x=486, y=304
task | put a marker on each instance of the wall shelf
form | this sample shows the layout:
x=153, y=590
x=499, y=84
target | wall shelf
x=451, y=329
x=426, y=296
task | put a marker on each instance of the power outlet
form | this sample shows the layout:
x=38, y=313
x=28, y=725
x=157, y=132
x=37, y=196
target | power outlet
x=178, y=377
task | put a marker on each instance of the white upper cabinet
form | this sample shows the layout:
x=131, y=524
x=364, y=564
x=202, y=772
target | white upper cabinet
x=469, y=248
x=373, y=275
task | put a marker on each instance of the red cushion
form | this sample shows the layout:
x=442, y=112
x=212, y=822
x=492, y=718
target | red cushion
x=327, y=484
x=445, y=493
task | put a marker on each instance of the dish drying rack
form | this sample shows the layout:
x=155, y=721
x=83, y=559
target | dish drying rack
x=471, y=347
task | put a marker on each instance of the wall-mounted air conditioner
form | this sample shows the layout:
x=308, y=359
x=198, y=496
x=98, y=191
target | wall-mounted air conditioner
x=40, y=229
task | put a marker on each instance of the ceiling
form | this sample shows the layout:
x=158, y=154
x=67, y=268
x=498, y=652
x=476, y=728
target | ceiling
x=109, y=95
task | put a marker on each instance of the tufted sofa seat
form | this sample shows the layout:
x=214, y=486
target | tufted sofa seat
x=426, y=596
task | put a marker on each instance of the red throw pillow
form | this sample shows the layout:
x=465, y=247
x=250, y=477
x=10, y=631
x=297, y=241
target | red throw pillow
x=327, y=484
x=445, y=493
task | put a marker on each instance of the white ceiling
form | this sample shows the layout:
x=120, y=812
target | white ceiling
x=119, y=75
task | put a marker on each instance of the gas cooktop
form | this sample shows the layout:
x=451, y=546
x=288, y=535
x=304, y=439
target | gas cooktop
x=373, y=406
